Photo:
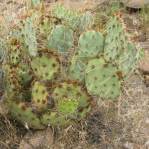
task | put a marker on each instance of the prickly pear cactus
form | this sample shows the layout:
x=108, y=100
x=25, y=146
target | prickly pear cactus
x=61, y=39
x=37, y=92
x=101, y=79
x=45, y=66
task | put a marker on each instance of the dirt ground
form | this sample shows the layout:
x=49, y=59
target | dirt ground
x=120, y=125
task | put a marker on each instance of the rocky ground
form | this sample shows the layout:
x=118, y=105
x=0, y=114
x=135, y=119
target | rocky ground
x=120, y=125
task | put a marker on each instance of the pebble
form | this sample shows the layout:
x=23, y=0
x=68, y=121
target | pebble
x=39, y=139
x=135, y=3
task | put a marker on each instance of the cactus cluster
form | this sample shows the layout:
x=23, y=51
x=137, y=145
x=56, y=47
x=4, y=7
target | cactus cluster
x=38, y=93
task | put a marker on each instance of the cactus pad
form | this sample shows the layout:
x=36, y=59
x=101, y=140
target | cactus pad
x=101, y=79
x=128, y=59
x=29, y=32
x=71, y=102
x=2, y=50
x=40, y=96
x=46, y=66
x=70, y=17
x=67, y=110
x=12, y=79
x=77, y=69
x=71, y=90
x=54, y=119
x=24, y=73
x=67, y=106
x=14, y=55
x=116, y=39
x=90, y=44
x=86, y=21
x=23, y=113
x=61, y=39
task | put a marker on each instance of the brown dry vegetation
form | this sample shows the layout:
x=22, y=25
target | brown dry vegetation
x=120, y=125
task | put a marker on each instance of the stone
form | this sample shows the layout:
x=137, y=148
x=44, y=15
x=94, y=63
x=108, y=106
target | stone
x=39, y=139
x=135, y=3
x=144, y=63
x=81, y=4
x=144, y=68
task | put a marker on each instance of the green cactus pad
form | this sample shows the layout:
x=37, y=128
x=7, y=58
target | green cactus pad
x=116, y=40
x=11, y=79
x=2, y=50
x=61, y=39
x=76, y=69
x=40, y=96
x=90, y=44
x=71, y=103
x=70, y=17
x=24, y=73
x=71, y=90
x=86, y=21
x=67, y=106
x=128, y=60
x=45, y=66
x=29, y=33
x=14, y=55
x=101, y=79
x=54, y=119
x=67, y=111
x=23, y=113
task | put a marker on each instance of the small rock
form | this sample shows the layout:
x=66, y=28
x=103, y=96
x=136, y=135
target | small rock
x=147, y=121
x=135, y=3
x=147, y=144
x=81, y=4
x=40, y=139
x=144, y=67
x=128, y=145
x=144, y=64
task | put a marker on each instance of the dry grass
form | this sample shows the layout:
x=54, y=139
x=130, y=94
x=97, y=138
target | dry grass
x=10, y=133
